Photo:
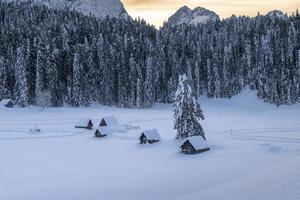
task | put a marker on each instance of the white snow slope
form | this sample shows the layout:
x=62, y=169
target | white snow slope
x=275, y=183
x=255, y=149
x=99, y=8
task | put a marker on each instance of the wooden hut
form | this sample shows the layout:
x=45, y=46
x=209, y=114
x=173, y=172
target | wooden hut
x=84, y=123
x=149, y=136
x=8, y=103
x=193, y=145
x=112, y=123
x=102, y=131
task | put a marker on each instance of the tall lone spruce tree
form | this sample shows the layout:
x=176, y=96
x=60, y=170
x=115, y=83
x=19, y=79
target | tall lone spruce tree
x=187, y=111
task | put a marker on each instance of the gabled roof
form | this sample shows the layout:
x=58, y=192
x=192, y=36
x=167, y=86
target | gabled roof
x=197, y=142
x=114, y=124
x=5, y=102
x=83, y=122
x=151, y=134
x=104, y=130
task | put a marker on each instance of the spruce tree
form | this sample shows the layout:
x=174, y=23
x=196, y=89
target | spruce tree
x=2, y=78
x=77, y=96
x=148, y=86
x=128, y=63
x=187, y=111
x=21, y=87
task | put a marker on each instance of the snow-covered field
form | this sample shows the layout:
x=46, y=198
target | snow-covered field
x=255, y=149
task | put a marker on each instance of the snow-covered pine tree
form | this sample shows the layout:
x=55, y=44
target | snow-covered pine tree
x=53, y=78
x=197, y=80
x=42, y=78
x=171, y=90
x=139, y=93
x=261, y=51
x=292, y=62
x=139, y=88
x=217, y=79
x=77, y=96
x=210, y=79
x=298, y=85
x=187, y=111
x=8, y=76
x=2, y=78
x=39, y=97
x=251, y=70
x=99, y=76
x=149, y=97
x=21, y=87
x=43, y=99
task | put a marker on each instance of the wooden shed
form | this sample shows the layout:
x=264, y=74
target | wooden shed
x=193, y=145
x=8, y=103
x=149, y=136
x=84, y=123
x=102, y=131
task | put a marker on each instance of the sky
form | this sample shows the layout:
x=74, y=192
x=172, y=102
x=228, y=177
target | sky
x=157, y=11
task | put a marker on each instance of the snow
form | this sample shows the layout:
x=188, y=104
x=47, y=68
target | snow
x=83, y=122
x=198, y=142
x=4, y=102
x=152, y=134
x=100, y=8
x=197, y=16
x=104, y=130
x=277, y=14
x=255, y=149
x=276, y=183
x=114, y=124
x=200, y=20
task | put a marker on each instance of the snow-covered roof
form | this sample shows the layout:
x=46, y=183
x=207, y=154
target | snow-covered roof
x=104, y=130
x=83, y=122
x=111, y=121
x=113, y=124
x=152, y=134
x=197, y=141
x=5, y=102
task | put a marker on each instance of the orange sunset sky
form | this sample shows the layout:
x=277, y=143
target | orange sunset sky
x=157, y=11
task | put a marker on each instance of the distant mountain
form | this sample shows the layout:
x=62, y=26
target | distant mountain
x=277, y=14
x=99, y=8
x=197, y=16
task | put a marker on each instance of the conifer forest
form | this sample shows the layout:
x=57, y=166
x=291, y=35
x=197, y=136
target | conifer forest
x=62, y=57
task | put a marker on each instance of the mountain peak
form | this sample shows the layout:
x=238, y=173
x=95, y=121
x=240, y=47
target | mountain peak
x=100, y=8
x=199, y=15
x=184, y=9
x=200, y=10
x=277, y=14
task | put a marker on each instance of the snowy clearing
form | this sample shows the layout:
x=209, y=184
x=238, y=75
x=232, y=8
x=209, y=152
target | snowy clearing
x=255, y=149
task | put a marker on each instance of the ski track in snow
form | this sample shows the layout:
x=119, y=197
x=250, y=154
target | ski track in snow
x=242, y=134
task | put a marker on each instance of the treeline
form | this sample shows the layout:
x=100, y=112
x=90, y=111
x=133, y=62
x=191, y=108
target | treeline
x=62, y=57
x=58, y=57
x=224, y=57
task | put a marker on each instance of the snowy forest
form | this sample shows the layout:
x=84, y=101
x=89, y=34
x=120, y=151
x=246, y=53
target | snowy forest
x=59, y=57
